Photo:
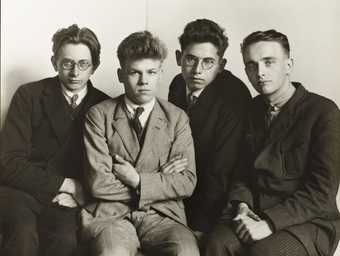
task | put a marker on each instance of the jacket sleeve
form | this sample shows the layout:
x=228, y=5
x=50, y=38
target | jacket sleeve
x=18, y=170
x=317, y=194
x=102, y=182
x=176, y=186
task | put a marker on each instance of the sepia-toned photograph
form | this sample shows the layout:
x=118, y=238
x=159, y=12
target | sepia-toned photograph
x=170, y=127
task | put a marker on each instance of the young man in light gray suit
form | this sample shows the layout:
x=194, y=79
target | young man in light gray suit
x=132, y=143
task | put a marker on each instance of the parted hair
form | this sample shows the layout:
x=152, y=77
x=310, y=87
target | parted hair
x=75, y=35
x=269, y=36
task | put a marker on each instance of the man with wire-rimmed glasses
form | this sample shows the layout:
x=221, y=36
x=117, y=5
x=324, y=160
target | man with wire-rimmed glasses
x=41, y=154
x=216, y=102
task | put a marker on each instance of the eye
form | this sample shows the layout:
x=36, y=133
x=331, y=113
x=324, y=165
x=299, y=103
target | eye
x=84, y=63
x=269, y=62
x=153, y=72
x=190, y=60
x=209, y=61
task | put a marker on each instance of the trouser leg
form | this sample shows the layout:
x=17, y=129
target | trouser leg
x=18, y=218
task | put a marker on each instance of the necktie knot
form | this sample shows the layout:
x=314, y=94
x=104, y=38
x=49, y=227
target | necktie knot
x=74, y=100
x=138, y=112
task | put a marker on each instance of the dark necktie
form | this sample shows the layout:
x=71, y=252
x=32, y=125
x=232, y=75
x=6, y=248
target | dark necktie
x=192, y=99
x=74, y=101
x=271, y=113
x=137, y=126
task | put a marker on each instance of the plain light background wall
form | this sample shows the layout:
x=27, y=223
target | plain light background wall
x=312, y=27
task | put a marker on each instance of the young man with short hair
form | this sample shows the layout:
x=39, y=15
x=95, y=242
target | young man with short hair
x=130, y=144
x=216, y=102
x=41, y=154
x=283, y=201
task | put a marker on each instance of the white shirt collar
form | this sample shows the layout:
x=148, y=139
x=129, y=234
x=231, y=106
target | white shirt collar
x=148, y=107
x=68, y=94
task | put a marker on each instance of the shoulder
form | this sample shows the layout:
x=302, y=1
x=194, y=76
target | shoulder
x=104, y=108
x=171, y=111
x=37, y=87
x=177, y=82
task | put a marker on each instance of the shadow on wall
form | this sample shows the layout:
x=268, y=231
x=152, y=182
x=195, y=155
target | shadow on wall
x=12, y=79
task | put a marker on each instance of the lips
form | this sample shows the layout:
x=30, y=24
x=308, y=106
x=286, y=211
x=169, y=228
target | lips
x=197, y=80
x=74, y=81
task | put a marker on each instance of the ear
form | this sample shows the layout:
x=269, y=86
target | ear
x=54, y=63
x=178, y=57
x=120, y=75
x=223, y=62
x=290, y=64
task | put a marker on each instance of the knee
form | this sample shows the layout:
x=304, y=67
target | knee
x=260, y=249
x=182, y=242
x=220, y=243
x=117, y=251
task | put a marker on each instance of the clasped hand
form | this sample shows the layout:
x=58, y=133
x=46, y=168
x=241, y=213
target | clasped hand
x=248, y=226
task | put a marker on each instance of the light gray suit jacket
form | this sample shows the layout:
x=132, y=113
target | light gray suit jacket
x=108, y=132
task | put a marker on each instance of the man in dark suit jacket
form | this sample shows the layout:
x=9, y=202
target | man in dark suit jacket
x=217, y=118
x=130, y=142
x=283, y=200
x=41, y=154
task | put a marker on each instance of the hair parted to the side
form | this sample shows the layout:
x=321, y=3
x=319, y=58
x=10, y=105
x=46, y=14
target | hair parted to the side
x=75, y=35
x=140, y=45
x=203, y=31
x=268, y=36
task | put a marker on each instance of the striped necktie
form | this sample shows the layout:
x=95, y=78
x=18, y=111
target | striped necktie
x=137, y=126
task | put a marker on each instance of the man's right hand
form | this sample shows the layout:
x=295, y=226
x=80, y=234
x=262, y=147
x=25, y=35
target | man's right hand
x=65, y=199
x=73, y=187
x=176, y=164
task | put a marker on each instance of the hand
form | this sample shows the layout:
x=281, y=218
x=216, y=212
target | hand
x=64, y=199
x=125, y=172
x=243, y=210
x=74, y=188
x=249, y=230
x=177, y=164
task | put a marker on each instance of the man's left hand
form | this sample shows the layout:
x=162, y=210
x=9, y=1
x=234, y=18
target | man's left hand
x=125, y=172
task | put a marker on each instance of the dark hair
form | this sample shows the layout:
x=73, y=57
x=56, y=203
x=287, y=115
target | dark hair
x=141, y=45
x=74, y=35
x=202, y=31
x=269, y=35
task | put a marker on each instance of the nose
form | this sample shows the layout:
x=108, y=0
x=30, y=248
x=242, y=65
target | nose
x=74, y=71
x=261, y=70
x=143, y=80
x=198, y=67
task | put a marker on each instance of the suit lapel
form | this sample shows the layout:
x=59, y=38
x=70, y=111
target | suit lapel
x=156, y=126
x=53, y=103
x=287, y=116
x=279, y=129
x=124, y=129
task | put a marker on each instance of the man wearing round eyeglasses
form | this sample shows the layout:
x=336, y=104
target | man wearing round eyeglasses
x=216, y=102
x=41, y=154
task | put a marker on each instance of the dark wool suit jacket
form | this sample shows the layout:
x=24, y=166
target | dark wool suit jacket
x=292, y=172
x=108, y=131
x=40, y=143
x=217, y=121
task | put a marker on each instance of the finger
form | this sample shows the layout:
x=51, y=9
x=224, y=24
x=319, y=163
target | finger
x=176, y=167
x=119, y=159
x=254, y=216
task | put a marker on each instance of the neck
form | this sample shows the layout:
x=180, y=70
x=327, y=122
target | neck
x=281, y=96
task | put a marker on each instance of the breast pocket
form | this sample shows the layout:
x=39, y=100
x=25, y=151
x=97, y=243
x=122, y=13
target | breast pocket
x=294, y=157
